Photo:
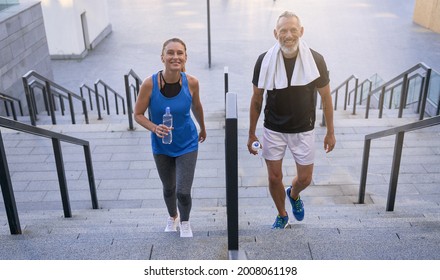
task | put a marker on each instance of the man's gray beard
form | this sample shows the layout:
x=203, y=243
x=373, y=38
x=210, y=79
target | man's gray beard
x=289, y=51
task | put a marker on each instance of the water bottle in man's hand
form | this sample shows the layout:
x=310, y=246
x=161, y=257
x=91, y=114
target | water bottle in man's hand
x=256, y=147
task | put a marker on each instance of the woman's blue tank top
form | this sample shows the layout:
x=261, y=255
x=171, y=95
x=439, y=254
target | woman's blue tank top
x=185, y=135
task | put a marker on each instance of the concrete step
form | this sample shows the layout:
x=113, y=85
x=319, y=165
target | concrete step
x=138, y=233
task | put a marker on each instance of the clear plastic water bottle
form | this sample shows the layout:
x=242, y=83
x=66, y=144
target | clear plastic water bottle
x=167, y=121
x=256, y=146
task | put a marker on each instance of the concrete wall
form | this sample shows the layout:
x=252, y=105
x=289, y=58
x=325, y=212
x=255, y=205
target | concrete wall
x=64, y=26
x=8, y=1
x=427, y=14
x=23, y=47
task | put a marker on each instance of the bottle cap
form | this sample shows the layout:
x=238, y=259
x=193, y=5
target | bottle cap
x=256, y=145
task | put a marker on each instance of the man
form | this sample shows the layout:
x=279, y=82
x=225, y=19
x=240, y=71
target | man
x=289, y=72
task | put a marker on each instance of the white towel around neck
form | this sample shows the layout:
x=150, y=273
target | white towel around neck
x=273, y=71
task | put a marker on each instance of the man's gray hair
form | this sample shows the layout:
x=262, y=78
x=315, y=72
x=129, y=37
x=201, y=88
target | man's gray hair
x=288, y=14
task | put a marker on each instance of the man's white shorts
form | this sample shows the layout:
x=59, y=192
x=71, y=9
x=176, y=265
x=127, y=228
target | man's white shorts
x=301, y=145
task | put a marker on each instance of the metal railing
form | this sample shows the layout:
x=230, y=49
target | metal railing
x=394, y=87
x=90, y=90
x=360, y=87
x=397, y=155
x=55, y=94
x=116, y=95
x=57, y=138
x=49, y=89
x=335, y=92
x=433, y=101
x=11, y=100
x=402, y=80
x=131, y=89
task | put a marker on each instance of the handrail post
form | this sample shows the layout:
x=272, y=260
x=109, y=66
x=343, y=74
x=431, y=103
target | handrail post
x=62, y=107
x=123, y=106
x=82, y=95
x=56, y=143
x=390, y=104
x=129, y=105
x=72, y=109
x=138, y=87
x=422, y=87
x=51, y=102
x=86, y=115
x=8, y=192
x=336, y=100
x=91, y=176
x=355, y=95
x=14, y=113
x=29, y=101
x=97, y=102
x=6, y=107
x=381, y=102
x=364, y=170
x=346, y=95
x=106, y=99
x=20, y=107
x=397, y=156
x=367, y=109
x=403, y=95
x=116, y=104
x=425, y=95
x=34, y=103
x=323, y=122
x=438, y=105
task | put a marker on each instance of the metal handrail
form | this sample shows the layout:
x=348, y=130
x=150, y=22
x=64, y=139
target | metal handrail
x=391, y=90
x=128, y=92
x=336, y=91
x=397, y=155
x=404, y=76
x=57, y=138
x=48, y=84
x=107, y=88
x=10, y=99
x=37, y=84
x=344, y=84
x=404, y=103
x=361, y=86
x=90, y=91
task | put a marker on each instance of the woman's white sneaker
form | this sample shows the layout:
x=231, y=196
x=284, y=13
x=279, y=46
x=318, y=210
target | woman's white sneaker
x=171, y=224
x=185, y=229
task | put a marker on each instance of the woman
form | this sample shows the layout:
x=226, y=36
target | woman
x=175, y=162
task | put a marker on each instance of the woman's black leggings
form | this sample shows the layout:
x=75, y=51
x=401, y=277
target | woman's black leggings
x=177, y=175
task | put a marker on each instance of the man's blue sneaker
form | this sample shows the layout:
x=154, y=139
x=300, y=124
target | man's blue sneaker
x=280, y=222
x=297, y=206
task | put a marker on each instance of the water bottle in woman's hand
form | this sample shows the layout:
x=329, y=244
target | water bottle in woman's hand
x=168, y=122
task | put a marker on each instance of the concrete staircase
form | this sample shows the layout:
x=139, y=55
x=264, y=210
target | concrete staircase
x=131, y=218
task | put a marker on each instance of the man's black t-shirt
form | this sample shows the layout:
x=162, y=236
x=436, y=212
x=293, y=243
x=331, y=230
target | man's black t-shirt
x=292, y=109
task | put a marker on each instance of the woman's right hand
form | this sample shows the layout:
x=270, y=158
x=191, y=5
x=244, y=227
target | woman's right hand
x=162, y=130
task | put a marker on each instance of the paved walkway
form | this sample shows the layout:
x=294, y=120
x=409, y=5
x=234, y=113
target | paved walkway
x=356, y=37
